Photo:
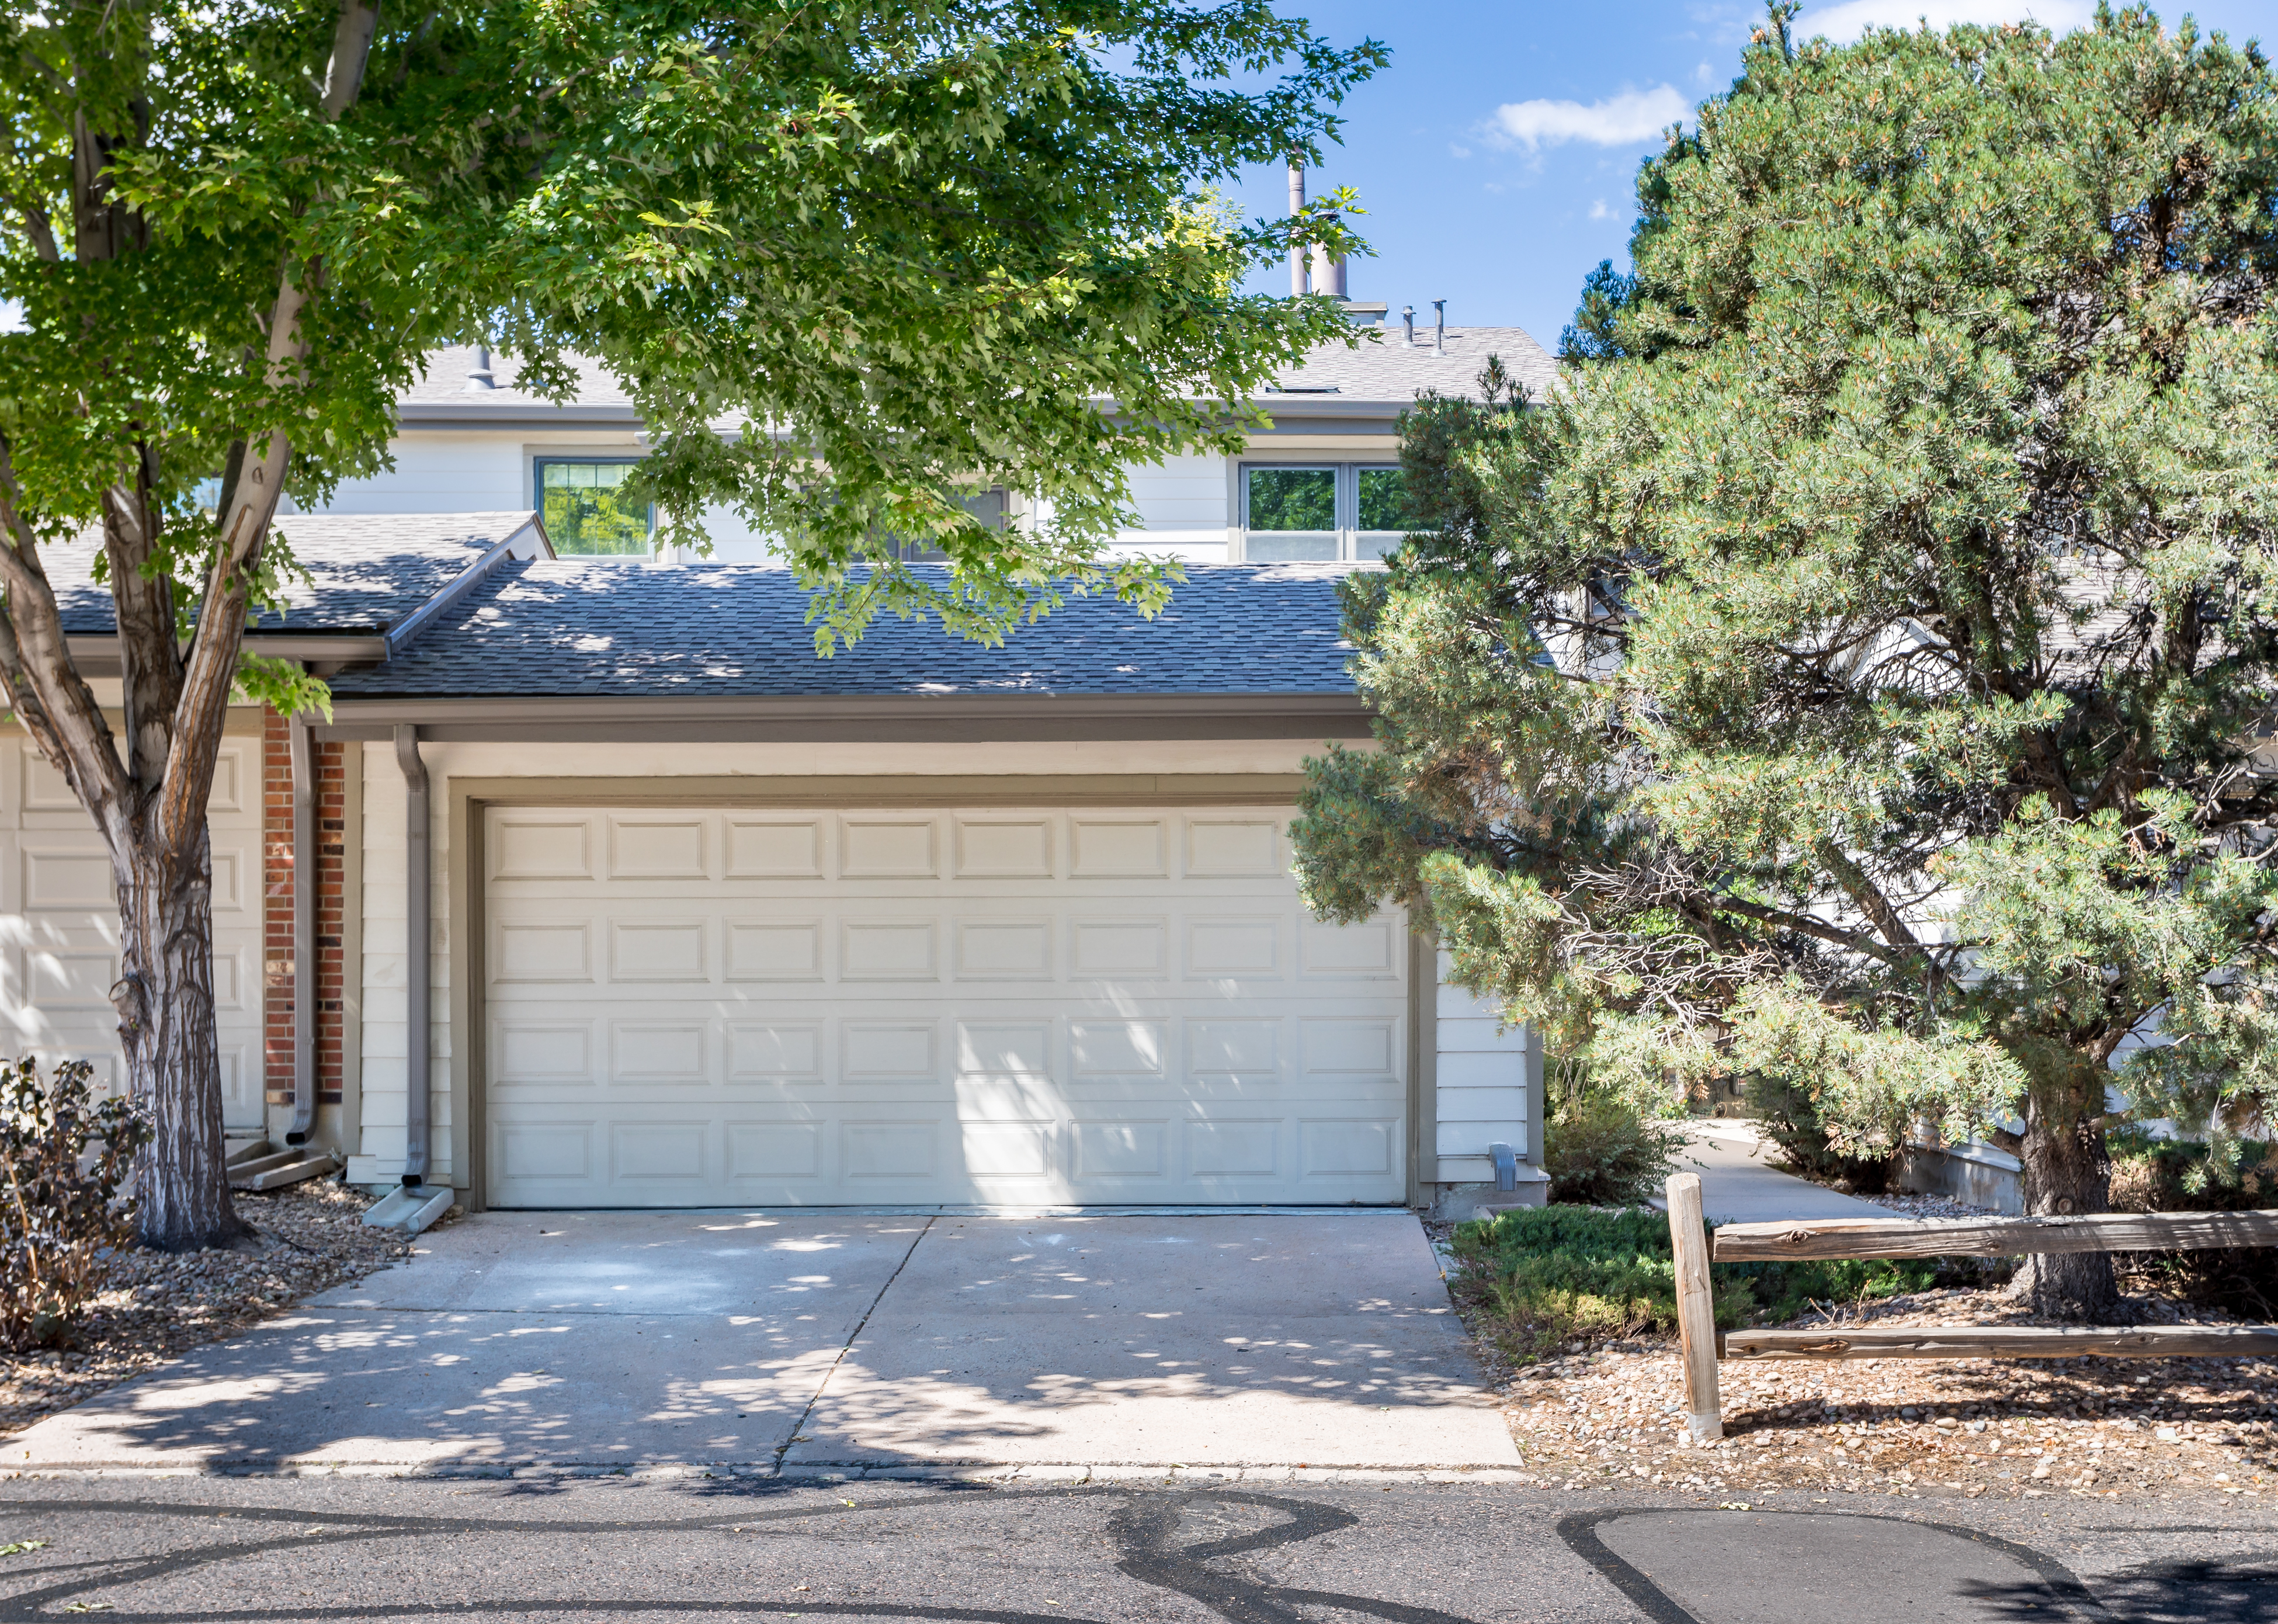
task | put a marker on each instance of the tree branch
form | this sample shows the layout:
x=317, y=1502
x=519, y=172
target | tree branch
x=211, y=671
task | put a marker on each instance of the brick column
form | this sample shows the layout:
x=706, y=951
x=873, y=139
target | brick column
x=276, y=912
x=277, y=908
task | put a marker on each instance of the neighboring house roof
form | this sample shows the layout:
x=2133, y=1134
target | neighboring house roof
x=1386, y=367
x=569, y=627
x=1376, y=378
x=367, y=572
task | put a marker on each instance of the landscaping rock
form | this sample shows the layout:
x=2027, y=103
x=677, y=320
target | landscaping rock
x=308, y=1238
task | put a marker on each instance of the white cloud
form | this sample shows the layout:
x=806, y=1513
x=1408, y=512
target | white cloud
x=1458, y=150
x=1847, y=21
x=1705, y=74
x=1622, y=120
x=1598, y=210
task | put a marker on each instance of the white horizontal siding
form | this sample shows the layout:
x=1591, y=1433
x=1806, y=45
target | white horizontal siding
x=1181, y=503
x=1484, y=1083
x=435, y=474
x=386, y=1026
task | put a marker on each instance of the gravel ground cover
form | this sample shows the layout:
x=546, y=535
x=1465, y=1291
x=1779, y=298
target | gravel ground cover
x=309, y=1239
x=2011, y=1428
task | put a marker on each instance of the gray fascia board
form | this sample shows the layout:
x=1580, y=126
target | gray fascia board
x=883, y=717
x=1288, y=413
x=97, y=654
x=512, y=415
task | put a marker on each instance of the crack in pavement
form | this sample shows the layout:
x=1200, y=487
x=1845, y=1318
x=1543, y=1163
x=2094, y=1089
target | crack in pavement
x=1144, y=1529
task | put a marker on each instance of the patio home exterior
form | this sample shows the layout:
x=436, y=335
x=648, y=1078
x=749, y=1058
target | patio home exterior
x=712, y=922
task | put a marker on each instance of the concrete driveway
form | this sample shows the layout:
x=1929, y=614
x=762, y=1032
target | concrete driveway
x=806, y=1341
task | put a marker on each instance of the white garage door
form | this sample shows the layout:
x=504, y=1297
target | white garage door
x=707, y=1007
x=59, y=919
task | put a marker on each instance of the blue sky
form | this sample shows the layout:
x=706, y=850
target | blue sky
x=1497, y=153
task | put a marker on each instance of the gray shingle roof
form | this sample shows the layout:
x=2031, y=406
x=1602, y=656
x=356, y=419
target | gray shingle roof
x=570, y=627
x=1384, y=368
x=367, y=571
x=1390, y=369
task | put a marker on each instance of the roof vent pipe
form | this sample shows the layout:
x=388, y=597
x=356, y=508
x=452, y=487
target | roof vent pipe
x=479, y=376
x=417, y=1104
x=1408, y=323
x=1440, y=328
x=1298, y=286
x=304, y=933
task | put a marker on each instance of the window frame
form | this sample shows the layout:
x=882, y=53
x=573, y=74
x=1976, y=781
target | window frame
x=541, y=461
x=1350, y=538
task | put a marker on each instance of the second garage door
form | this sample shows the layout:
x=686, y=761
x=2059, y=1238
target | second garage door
x=719, y=1007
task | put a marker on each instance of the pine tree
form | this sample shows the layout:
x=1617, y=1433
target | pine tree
x=1855, y=675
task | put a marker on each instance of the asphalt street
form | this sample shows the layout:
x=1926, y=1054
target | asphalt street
x=191, y=1548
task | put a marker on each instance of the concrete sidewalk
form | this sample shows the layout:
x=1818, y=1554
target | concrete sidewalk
x=806, y=1341
x=1738, y=1184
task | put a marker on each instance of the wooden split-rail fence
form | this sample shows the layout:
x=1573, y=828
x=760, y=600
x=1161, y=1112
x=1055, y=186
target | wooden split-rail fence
x=1939, y=1237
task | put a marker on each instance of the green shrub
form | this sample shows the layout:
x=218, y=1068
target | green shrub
x=1600, y=1150
x=1790, y=1118
x=61, y=1212
x=2184, y=1175
x=1537, y=1279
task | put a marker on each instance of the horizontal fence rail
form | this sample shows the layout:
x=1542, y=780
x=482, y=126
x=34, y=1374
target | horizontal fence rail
x=1802, y=1239
x=1991, y=1237
x=2007, y=1342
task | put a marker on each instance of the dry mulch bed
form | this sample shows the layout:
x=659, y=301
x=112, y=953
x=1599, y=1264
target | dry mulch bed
x=2015, y=1428
x=309, y=1238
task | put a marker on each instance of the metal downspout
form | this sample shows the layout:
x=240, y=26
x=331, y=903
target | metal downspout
x=304, y=934
x=417, y=1103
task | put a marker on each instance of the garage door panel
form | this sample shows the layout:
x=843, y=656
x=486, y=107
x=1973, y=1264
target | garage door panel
x=768, y=1152
x=1119, y=948
x=998, y=1004
x=766, y=848
x=1339, y=1148
x=890, y=1152
x=659, y=848
x=888, y=950
x=661, y=1152
x=1001, y=949
x=1002, y=848
x=1370, y=949
x=540, y=1054
x=775, y=1052
x=775, y=950
x=887, y=848
x=1245, y=947
x=889, y=1051
x=660, y=1052
x=523, y=847
x=1103, y=848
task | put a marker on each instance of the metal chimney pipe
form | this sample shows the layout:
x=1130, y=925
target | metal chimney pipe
x=1440, y=330
x=1328, y=274
x=1297, y=279
x=480, y=376
x=1408, y=323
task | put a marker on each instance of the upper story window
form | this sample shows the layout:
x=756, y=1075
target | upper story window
x=991, y=506
x=1322, y=510
x=586, y=514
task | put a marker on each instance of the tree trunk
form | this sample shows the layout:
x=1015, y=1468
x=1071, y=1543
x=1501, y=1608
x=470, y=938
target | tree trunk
x=165, y=1003
x=2068, y=1170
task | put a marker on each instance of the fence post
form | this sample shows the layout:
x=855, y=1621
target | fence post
x=1696, y=1308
